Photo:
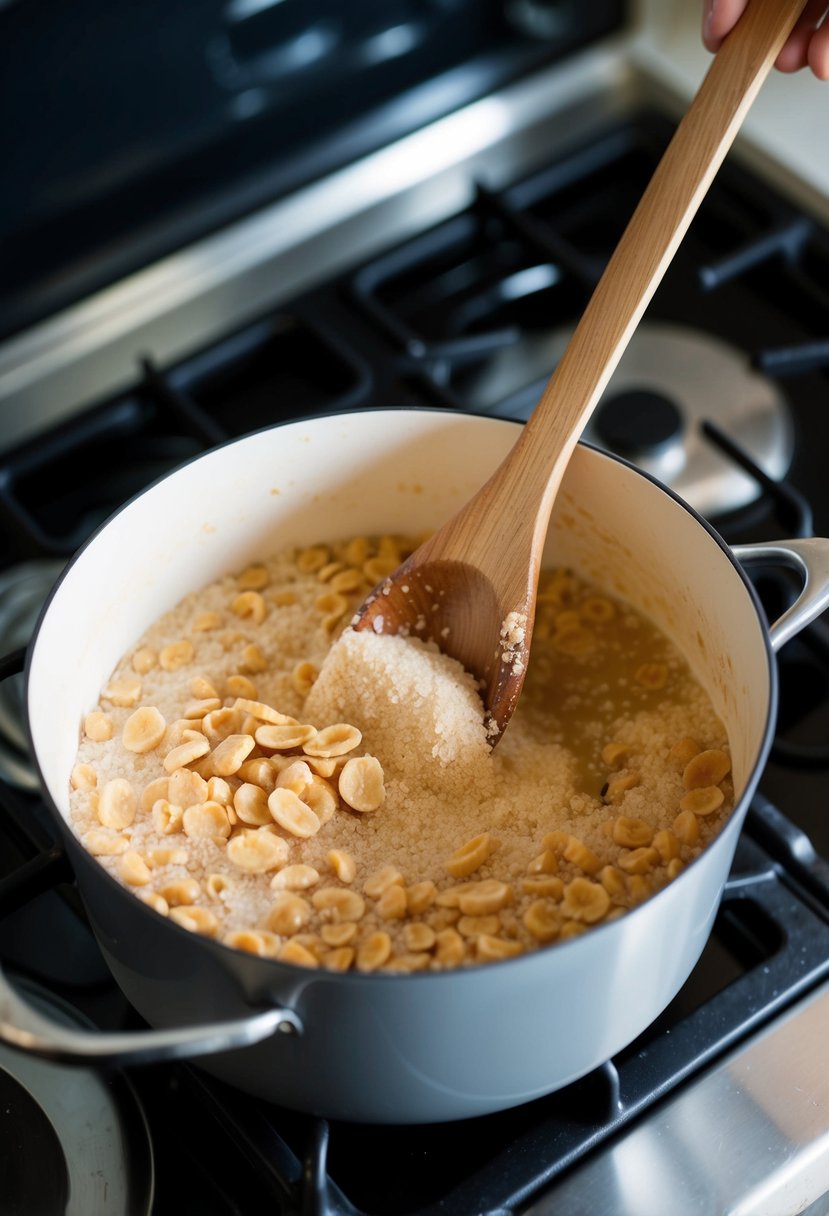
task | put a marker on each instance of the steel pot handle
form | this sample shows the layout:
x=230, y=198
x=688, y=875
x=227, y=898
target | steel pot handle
x=809, y=556
x=24, y=1028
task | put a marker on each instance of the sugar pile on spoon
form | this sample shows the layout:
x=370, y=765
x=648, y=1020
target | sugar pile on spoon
x=417, y=708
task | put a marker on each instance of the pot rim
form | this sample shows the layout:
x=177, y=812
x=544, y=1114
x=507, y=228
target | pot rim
x=732, y=827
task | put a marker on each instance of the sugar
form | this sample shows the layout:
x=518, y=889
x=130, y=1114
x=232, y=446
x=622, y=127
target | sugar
x=421, y=715
x=418, y=710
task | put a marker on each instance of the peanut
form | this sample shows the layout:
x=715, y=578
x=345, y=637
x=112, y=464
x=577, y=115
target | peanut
x=117, y=804
x=292, y=814
x=373, y=952
x=702, y=800
x=339, y=903
x=631, y=833
x=470, y=856
x=143, y=730
x=361, y=784
x=706, y=768
x=257, y=852
x=585, y=901
x=98, y=726
x=289, y=913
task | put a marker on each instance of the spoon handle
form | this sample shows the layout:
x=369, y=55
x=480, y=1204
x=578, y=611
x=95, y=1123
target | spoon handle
x=485, y=560
x=648, y=244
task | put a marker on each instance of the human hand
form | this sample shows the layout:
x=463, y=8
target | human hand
x=808, y=45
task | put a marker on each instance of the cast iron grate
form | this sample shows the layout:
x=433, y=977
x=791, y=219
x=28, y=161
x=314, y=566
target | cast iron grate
x=521, y=262
x=769, y=945
x=58, y=488
x=752, y=269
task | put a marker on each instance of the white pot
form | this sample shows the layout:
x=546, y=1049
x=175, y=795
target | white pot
x=429, y=1046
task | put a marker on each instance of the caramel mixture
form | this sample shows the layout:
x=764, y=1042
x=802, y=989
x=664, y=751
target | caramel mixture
x=259, y=773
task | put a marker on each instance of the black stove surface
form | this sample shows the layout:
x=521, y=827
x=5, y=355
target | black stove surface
x=139, y=129
x=423, y=325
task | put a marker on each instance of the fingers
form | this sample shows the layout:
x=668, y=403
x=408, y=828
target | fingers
x=808, y=45
x=719, y=18
x=819, y=52
x=796, y=53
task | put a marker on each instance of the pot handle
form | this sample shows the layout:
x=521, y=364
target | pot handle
x=25, y=1028
x=809, y=556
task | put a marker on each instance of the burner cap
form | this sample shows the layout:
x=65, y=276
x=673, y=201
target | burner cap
x=70, y=1132
x=687, y=372
x=703, y=377
x=638, y=422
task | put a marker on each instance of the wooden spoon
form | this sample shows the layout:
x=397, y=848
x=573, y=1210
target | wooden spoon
x=472, y=586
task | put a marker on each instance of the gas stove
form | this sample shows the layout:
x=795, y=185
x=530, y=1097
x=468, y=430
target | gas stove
x=445, y=266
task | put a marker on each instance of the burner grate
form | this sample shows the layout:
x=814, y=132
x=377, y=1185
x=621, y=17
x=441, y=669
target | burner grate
x=471, y=288
x=767, y=946
x=431, y=315
x=481, y=305
x=55, y=492
x=277, y=369
x=795, y=360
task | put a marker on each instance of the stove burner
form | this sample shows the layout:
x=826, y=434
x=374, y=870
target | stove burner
x=84, y=1134
x=23, y=590
x=693, y=376
x=702, y=377
x=640, y=424
x=33, y=1175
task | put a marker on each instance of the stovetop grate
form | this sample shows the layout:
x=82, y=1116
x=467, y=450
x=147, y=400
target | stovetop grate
x=770, y=944
x=429, y=322
x=377, y=336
